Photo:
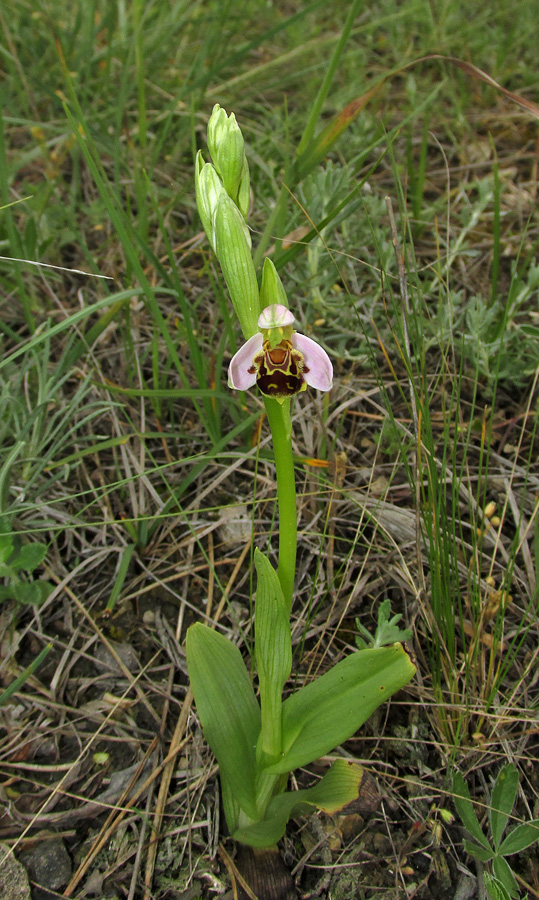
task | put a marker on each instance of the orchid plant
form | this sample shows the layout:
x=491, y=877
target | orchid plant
x=259, y=740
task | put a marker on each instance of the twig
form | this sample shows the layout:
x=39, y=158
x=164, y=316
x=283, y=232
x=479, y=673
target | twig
x=175, y=744
x=112, y=821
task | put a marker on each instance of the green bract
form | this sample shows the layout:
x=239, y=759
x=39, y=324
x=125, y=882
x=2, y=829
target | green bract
x=222, y=195
x=233, y=250
x=271, y=290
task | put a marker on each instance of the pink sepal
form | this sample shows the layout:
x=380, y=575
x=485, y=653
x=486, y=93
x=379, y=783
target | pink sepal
x=320, y=374
x=239, y=377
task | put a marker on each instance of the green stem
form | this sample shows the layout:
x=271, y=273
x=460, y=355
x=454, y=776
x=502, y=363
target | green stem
x=281, y=430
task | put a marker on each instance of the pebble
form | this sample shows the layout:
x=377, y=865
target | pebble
x=126, y=653
x=48, y=863
x=14, y=884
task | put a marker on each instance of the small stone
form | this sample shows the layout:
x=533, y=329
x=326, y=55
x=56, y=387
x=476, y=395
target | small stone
x=125, y=652
x=466, y=888
x=381, y=843
x=235, y=525
x=350, y=826
x=48, y=863
x=94, y=884
x=14, y=884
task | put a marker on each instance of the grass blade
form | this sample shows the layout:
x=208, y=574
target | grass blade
x=24, y=676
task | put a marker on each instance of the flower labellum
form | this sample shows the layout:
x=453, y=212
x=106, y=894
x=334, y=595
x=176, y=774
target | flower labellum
x=280, y=360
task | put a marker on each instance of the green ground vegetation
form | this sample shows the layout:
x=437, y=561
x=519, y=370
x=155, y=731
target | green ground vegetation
x=397, y=195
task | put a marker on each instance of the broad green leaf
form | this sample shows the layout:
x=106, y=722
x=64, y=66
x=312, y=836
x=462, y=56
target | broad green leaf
x=503, y=873
x=519, y=838
x=494, y=888
x=328, y=711
x=29, y=557
x=481, y=853
x=6, y=547
x=32, y=592
x=502, y=801
x=339, y=787
x=231, y=806
x=464, y=806
x=227, y=708
x=273, y=652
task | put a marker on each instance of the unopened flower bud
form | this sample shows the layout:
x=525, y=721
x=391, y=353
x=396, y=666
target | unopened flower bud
x=226, y=146
x=208, y=189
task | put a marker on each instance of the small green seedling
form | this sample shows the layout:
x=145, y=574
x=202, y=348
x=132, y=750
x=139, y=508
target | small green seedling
x=17, y=562
x=501, y=883
x=387, y=631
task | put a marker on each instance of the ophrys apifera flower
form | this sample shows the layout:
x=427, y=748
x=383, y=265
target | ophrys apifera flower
x=280, y=360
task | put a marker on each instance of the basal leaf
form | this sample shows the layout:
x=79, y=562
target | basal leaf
x=328, y=711
x=339, y=787
x=32, y=592
x=6, y=546
x=230, y=804
x=273, y=652
x=227, y=708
